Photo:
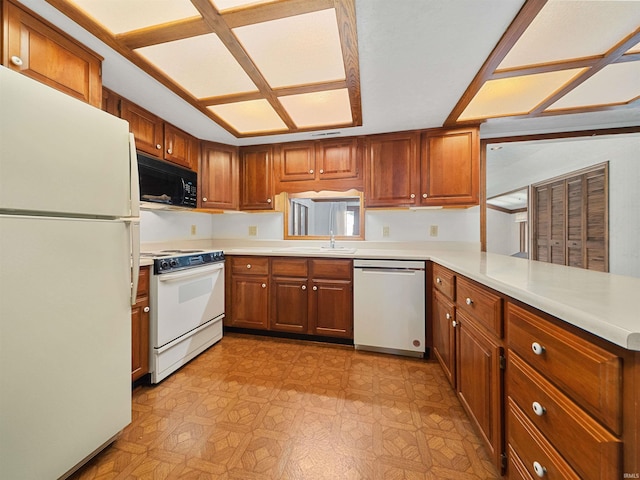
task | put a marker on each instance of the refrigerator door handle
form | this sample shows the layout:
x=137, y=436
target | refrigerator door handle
x=134, y=234
x=135, y=181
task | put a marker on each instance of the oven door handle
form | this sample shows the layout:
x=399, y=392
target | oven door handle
x=191, y=273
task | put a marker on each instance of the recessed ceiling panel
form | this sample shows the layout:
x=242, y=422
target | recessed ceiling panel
x=120, y=16
x=330, y=107
x=515, y=95
x=295, y=50
x=573, y=29
x=614, y=84
x=224, y=5
x=202, y=65
x=254, y=116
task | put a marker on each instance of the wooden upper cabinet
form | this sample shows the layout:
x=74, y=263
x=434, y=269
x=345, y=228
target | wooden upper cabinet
x=318, y=165
x=177, y=146
x=256, y=179
x=147, y=128
x=111, y=102
x=450, y=167
x=218, y=176
x=39, y=50
x=391, y=169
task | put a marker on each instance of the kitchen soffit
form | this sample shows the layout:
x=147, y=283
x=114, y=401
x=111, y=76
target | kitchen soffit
x=559, y=57
x=256, y=67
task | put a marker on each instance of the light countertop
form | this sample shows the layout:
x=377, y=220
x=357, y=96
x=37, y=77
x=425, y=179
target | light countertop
x=600, y=303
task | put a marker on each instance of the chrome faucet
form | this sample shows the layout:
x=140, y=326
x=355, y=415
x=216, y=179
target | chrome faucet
x=332, y=240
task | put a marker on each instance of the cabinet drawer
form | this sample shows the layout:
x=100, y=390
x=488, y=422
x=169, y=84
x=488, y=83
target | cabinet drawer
x=517, y=470
x=533, y=449
x=289, y=267
x=249, y=265
x=588, y=374
x=444, y=281
x=331, y=269
x=484, y=305
x=592, y=451
x=143, y=282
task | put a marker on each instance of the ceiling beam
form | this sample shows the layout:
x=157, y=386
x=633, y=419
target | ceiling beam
x=273, y=11
x=346, y=16
x=168, y=32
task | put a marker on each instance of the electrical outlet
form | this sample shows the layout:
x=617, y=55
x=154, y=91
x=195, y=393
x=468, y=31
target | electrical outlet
x=385, y=231
x=253, y=230
x=193, y=229
x=433, y=230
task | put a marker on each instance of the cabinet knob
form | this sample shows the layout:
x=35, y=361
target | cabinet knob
x=539, y=469
x=538, y=409
x=311, y=171
x=454, y=324
x=321, y=170
x=264, y=285
x=448, y=316
x=537, y=348
x=424, y=195
x=248, y=265
x=145, y=309
x=204, y=199
x=438, y=280
x=413, y=195
x=315, y=288
x=468, y=301
x=304, y=287
x=268, y=200
x=16, y=60
x=169, y=151
x=158, y=147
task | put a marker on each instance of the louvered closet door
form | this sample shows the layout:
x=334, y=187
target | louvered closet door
x=557, y=231
x=596, y=251
x=575, y=221
x=541, y=224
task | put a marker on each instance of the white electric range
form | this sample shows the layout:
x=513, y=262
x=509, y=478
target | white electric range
x=187, y=307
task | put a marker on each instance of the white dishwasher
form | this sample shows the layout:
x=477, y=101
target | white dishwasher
x=389, y=306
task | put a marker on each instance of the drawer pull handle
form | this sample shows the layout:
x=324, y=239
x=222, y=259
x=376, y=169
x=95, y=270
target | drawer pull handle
x=448, y=316
x=268, y=200
x=204, y=199
x=304, y=287
x=438, y=280
x=321, y=170
x=145, y=309
x=248, y=265
x=539, y=469
x=468, y=301
x=16, y=60
x=310, y=171
x=454, y=324
x=264, y=285
x=158, y=146
x=315, y=288
x=537, y=348
x=413, y=195
x=538, y=409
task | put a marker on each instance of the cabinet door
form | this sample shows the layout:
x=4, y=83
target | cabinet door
x=218, y=176
x=337, y=159
x=391, y=170
x=40, y=51
x=297, y=161
x=249, y=297
x=444, y=334
x=256, y=184
x=331, y=308
x=140, y=338
x=289, y=304
x=450, y=168
x=147, y=129
x=111, y=102
x=177, y=146
x=480, y=382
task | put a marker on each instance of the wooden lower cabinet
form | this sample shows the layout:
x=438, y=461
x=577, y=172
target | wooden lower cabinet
x=443, y=329
x=292, y=295
x=140, y=328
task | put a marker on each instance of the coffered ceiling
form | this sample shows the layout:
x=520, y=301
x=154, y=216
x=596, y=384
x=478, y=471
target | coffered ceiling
x=280, y=70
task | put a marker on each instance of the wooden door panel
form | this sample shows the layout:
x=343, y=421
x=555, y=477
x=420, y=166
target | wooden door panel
x=249, y=296
x=297, y=162
x=256, y=184
x=332, y=308
x=147, y=128
x=444, y=336
x=557, y=230
x=289, y=305
x=177, y=146
x=596, y=248
x=218, y=176
x=337, y=159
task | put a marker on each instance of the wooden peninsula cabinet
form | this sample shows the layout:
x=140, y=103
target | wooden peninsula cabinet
x=291, y=294
x=444, y=321
x=140, y=328
x=39, y=50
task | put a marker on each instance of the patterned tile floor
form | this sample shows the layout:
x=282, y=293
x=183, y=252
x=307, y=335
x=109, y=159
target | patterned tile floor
x=263, y=408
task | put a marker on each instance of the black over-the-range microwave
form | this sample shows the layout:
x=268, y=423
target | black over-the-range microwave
x=164, y=183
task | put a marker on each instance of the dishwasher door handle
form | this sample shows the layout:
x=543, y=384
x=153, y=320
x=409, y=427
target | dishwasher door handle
x=405, y=271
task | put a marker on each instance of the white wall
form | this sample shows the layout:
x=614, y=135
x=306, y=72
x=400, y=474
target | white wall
x=269, y=226
x=503, y=233
x=167, y=225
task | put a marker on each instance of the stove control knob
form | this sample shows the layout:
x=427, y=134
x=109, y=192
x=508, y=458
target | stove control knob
x=164, y=264
x=173, y=262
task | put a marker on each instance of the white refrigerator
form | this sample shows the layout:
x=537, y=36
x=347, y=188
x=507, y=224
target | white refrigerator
x=69, y=249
